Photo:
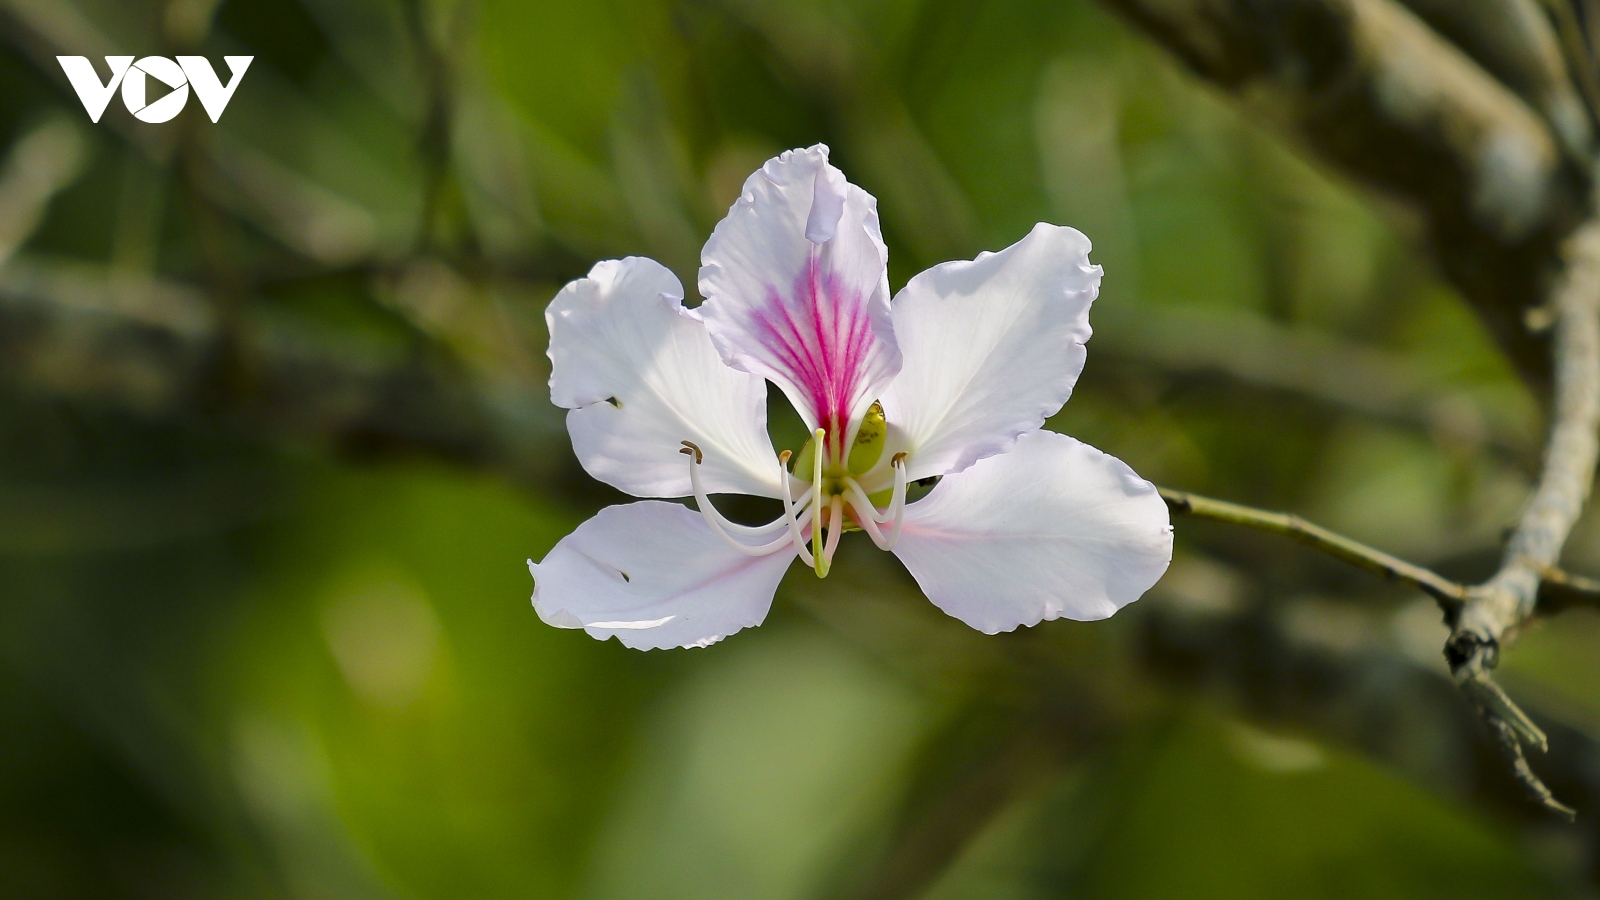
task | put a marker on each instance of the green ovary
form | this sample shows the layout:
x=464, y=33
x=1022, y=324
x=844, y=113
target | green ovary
x=868, y=448
x=864, y=453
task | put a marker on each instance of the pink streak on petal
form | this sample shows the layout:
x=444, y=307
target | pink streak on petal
x=826, y=348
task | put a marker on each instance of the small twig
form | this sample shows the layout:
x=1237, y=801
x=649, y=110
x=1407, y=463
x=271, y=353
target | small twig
x=1560, y=590
x=1448, y=593
x=1509, y=725
x=1507, y=739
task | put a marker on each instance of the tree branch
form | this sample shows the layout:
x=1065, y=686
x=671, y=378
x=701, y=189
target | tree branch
x=1507, y=723
x=1516, y=42
x=151, y=348
x=1369, y=88
x=1496, y=607
x=1494, y=610
x=1374, y=90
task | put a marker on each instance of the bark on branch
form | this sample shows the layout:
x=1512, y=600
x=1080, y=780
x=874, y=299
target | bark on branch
x=1494, y=610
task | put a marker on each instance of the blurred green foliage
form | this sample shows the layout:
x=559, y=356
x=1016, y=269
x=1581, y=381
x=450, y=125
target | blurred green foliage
x=233, y=666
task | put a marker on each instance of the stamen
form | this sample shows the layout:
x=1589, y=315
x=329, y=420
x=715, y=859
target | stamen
x=720, y=526
x=868, y=515
x=897, y=504
x=706, y=506
x=789, y=508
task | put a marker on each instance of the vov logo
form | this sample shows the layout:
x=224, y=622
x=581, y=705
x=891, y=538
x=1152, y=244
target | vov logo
x=133, y=77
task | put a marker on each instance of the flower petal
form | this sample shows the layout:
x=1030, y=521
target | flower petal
x=639, y=375
x=1053, y=528
x=991, y=348
x=797, y=290
x=652, y=575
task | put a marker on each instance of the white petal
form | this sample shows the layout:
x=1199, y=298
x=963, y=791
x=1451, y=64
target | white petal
x=640, y=376
x=1054, y=528
x=653, y=575
x=991, y=348
x=797, y=290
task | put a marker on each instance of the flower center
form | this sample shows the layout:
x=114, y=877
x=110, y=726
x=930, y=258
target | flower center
x=866, y=450
x=831, y=485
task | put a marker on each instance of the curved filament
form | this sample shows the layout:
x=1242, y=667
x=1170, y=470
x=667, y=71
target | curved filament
x=724, y=529
x=868, y=515
x=794, y=521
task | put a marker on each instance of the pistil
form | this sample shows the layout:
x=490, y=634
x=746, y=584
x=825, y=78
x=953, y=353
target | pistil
x=818, y=446
x=835, y=523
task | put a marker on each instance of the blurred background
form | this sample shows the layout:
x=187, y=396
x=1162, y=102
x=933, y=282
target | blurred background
x=275, y=441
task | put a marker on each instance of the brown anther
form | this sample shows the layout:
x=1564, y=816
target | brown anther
x=899, y=459
x=690, y=449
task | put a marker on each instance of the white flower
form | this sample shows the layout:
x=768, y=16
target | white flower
x=953, y=380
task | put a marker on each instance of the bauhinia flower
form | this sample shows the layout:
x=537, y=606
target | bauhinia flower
x=952, y=381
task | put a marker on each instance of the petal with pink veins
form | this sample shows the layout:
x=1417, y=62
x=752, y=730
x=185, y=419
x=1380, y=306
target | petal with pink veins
x=797, y=290
x=640, y=376
x=653, y=575
x=1052, y=529
x=991, y=348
